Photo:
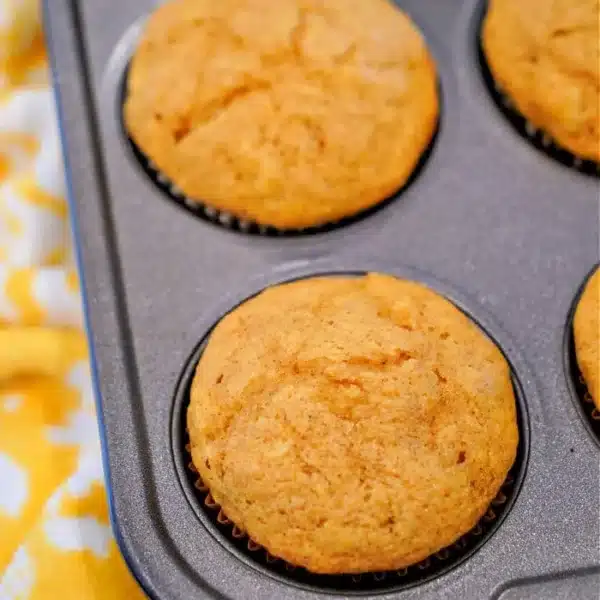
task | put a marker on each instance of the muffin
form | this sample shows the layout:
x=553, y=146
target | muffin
x=586, y=330
x=352, y=424
x=545, y=57
x=290, y=114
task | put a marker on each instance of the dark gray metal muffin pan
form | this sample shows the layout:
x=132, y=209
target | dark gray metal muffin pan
x=502, y=229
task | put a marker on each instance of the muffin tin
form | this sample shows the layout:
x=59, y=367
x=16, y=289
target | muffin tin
x=491, y=221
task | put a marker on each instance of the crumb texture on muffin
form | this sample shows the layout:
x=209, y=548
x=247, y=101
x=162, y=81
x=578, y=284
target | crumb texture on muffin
x=546, y=57
x=290, y=113
x=352, y=424
x=586, y=329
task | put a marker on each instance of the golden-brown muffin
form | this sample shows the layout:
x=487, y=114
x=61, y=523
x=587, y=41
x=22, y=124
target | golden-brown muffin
x=586, y=329
x=352, y=424
x=545, y=56
x=291, y=113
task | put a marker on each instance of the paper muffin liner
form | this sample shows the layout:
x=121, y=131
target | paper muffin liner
x=432, y=566
x=588, y=401
x=541, y=139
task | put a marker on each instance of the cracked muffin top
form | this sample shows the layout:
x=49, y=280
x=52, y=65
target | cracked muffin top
x=545, y=56
x=292, y=113
x=352, y=424
x=586, y=329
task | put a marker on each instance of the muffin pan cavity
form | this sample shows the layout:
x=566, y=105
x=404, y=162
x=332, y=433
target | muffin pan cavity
x=327, y=193
x=230, y=222
x=538, y=138
x=237, y=542
x=584, y=404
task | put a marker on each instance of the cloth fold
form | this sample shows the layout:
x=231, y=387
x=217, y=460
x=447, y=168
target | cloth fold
x=55, y=535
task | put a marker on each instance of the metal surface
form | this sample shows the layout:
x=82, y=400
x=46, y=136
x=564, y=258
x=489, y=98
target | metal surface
x=501, y=228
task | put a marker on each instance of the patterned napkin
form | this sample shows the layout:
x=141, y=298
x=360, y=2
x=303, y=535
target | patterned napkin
x=55, y=536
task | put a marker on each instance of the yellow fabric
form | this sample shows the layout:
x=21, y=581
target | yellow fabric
x=55, y=536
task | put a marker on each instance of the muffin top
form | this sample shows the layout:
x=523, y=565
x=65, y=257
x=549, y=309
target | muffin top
x=586, y=329
x=290, y=113
x=546, y=58
x=352, y=424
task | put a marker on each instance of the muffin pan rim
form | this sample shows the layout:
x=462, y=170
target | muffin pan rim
x=326, y=268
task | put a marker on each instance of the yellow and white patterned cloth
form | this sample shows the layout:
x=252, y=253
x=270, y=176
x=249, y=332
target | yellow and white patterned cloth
x=55, y=536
